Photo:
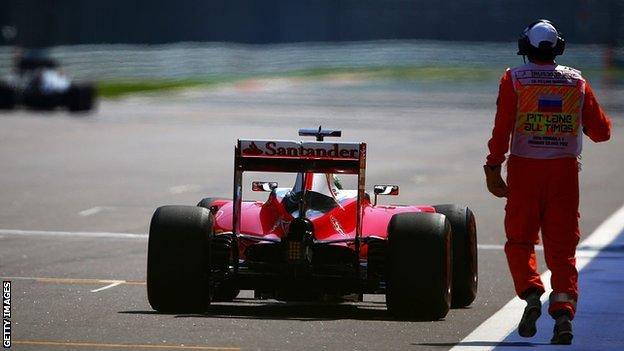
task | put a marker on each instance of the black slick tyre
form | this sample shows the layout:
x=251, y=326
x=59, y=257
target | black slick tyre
x=419, y=266
x=207, y=202
x=80, y=97
x=7, y=97
x=178, y=258
x=465, y=270
x=224, y=291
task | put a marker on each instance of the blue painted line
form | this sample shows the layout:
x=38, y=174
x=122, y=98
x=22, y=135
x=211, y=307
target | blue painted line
x=599, y=321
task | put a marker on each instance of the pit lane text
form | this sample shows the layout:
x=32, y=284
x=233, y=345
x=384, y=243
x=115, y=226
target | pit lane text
x=550, y=123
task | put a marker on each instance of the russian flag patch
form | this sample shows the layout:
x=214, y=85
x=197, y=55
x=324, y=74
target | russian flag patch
x=550, y=104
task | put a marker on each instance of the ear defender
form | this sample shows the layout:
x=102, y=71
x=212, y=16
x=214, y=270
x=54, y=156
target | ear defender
x=559, y=47
x=525, y=47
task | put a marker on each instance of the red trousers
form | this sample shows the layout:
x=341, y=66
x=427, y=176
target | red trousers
x=543, y=194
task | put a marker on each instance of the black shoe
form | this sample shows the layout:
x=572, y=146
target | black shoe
x=532, y=312
x=562, y=333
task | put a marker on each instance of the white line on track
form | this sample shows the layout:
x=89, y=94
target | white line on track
x=17, y=232
x=144, y=236
x=91, y=211
x=113, y=284
x=586, y=250
x=502, y=247
x=79, y=234
x=74, y=280
x=495, y=329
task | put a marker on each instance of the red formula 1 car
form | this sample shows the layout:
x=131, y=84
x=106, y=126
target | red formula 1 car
x=314, y=241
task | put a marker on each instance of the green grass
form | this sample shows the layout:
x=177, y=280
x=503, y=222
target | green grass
x=119, y=88
x=609, y=74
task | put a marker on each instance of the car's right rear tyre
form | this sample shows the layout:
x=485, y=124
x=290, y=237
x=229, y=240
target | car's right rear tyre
x=7, y=97
x=80, y=97
x=465, y=262
x=419, y=266
x=178, y=259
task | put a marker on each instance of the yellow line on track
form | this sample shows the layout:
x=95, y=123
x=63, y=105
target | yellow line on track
x=121, y=346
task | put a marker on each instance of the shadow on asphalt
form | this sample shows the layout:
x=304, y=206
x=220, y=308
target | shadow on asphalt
x=484, y=344
x=289, y=311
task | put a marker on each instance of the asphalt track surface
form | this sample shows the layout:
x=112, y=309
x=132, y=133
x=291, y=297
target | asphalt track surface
x=108, y=171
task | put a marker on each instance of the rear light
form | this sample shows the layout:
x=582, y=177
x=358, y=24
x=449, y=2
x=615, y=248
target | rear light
x=297, y=244
x=294, y=251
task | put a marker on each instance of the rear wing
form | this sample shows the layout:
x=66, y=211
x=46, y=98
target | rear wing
x=298, y=157
x=295, y=157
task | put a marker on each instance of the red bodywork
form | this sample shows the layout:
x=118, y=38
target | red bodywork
x=270, y=220
x=348, y=224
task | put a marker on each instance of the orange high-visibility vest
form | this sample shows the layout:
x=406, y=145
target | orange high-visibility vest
x=549, y=119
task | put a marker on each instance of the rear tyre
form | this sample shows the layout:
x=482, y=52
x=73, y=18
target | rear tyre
x=419, y=266
x=207, y=202
x=225, y=291
x=465, y=272
x=80, y=98
x=7, y=97
x=178, y=259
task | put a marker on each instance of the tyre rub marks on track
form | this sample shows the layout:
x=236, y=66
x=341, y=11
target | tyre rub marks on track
x=120, y=346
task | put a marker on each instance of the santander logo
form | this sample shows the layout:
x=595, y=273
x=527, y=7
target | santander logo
x=252, y=150
x=292, y=149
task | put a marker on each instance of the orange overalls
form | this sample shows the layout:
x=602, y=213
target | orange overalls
x=543, y=109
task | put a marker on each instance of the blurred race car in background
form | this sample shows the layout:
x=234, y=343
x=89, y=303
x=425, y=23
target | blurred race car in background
x=314, y=241
x=38, y=83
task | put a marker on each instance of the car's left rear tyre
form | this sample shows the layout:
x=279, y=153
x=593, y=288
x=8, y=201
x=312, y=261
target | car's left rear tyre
x=207, y=202
x=178, y=256
x=419, y=266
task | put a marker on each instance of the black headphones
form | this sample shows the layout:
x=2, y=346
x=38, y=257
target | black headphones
x=525, y=47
